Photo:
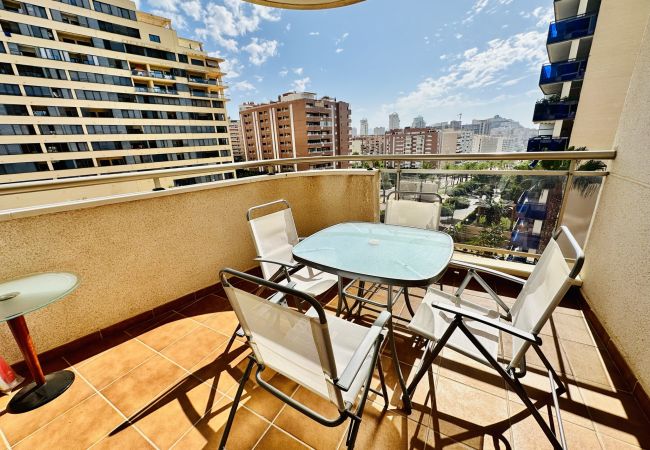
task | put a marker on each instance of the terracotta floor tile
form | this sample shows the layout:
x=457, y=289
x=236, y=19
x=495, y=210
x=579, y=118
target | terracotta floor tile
x=128, y=439
x=388, y=430
x=307, y=430
x=87, y=353
x=422, y=400
x=205, y=307
x=439, y=441
x=617, y=415
x=78, y=428
x=183, y=405
x=528, y=435
x=18, y=426
x=465, y=370
x=275, y=439
x=469, y=415
x=568, y=327
x=171, y=328
x=142, y=385
x=572, y=405
x=225, y=322
x=189, y=350
x=593, y=365
x=220, y=369
x=114, y=363
x=246, y=430
x=259, y=400
x=609, y=443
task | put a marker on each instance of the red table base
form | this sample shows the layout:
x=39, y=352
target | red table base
x=44, y=388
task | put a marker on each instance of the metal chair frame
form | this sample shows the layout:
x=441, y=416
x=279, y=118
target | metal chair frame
x=371, y=343
x=510, y=374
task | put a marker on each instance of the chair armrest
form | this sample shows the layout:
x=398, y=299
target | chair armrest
x=344, y=382
x=279, y=263
x=279, y=296
x=505, y=276
x=488, y=321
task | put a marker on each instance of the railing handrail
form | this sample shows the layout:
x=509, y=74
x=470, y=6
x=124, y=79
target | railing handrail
x=45, y=185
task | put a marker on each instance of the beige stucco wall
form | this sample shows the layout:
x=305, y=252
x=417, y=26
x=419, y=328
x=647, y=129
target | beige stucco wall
x=137, y=252
x=611, y=62
x=616, y=275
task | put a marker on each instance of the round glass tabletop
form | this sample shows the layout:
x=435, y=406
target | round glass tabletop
x=23, y=295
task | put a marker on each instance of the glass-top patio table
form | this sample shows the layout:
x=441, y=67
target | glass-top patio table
x=388, y=254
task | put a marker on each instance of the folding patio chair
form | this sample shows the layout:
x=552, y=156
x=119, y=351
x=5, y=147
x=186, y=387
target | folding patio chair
x=408, y=213
x=274, y=236
x=331, y=357
x=446, y=319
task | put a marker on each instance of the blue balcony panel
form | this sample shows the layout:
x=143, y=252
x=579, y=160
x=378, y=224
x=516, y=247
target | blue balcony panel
x=531, y=210
x=525, y=240
x=560, y=72
x=559, y=110
x=572, y=28
x=547, y=144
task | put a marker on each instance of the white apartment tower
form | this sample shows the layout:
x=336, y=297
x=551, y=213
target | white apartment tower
x=393, y=121
x=364, y=127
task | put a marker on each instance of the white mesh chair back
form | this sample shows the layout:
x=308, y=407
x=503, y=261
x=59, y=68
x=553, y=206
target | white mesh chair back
x=544, y=289
x=293, y=344
x=409, y=186
x=409, y=213
x=274, y=236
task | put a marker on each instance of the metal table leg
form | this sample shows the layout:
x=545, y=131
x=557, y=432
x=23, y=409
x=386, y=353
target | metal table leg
x=391, y=337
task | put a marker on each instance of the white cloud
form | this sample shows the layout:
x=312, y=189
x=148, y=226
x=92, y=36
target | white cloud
x=475, y=70
x=298, y=70
x=283, y=73
x=232, y=67
x=300, y=85
x=543, y=15
x=339, y=50
x=258, y=78
x=343, y=37
x=458, y=35
x=244, y=86
x=479, y=6
x=314, y=33
x=260, y=50
x=443, y=57
x=288, y=27
x=224, y=23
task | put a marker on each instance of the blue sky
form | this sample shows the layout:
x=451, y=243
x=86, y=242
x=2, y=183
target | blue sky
x=433, y=58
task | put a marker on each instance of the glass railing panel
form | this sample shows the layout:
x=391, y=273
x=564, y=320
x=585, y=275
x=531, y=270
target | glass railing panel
x=564, y=71
x=571, y=28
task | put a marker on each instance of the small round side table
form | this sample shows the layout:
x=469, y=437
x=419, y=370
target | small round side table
x=17, y=298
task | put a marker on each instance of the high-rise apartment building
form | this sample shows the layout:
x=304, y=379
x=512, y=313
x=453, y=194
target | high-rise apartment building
x=412, y=141
x=296, y=125
x=455, y=141
x=482, y=143
x=419, y=122
x=393, y=121
x=379, y=131
x=236, y=141
x=370, y=144
x=97, y=87
x=363, y=128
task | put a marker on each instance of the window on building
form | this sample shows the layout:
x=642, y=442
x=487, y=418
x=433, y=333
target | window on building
x=154, y=38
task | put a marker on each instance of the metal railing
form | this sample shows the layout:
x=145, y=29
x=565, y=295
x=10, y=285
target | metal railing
x=518, y=234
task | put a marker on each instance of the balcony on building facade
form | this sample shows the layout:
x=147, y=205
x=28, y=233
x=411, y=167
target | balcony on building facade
x=576, y=27
x=548, y=110
x=158, y=74
x=560, y=72
x=547, y=144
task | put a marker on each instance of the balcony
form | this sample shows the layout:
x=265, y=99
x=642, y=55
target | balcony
x=572, y=28
x=152, y=74
x=552, y=75
x=547, y=144
x=551, y=110
x=147, y=333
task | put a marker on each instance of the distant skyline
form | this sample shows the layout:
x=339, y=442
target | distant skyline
x=437, y=60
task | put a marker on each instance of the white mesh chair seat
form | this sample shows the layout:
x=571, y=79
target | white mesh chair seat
x=410, y=213
x=432, y=323
x=312, y=281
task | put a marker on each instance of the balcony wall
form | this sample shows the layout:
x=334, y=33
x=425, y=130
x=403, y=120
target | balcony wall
x=616, y=276
x=136, y=252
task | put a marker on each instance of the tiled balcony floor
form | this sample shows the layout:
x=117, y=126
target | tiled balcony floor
x=169, y=383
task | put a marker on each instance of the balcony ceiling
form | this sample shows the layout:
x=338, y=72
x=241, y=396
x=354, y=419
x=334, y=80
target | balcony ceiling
x=305, y=4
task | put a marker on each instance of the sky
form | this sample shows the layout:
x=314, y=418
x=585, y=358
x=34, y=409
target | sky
x=434, y=58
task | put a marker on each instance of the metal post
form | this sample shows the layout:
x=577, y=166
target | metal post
x=156, y=185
